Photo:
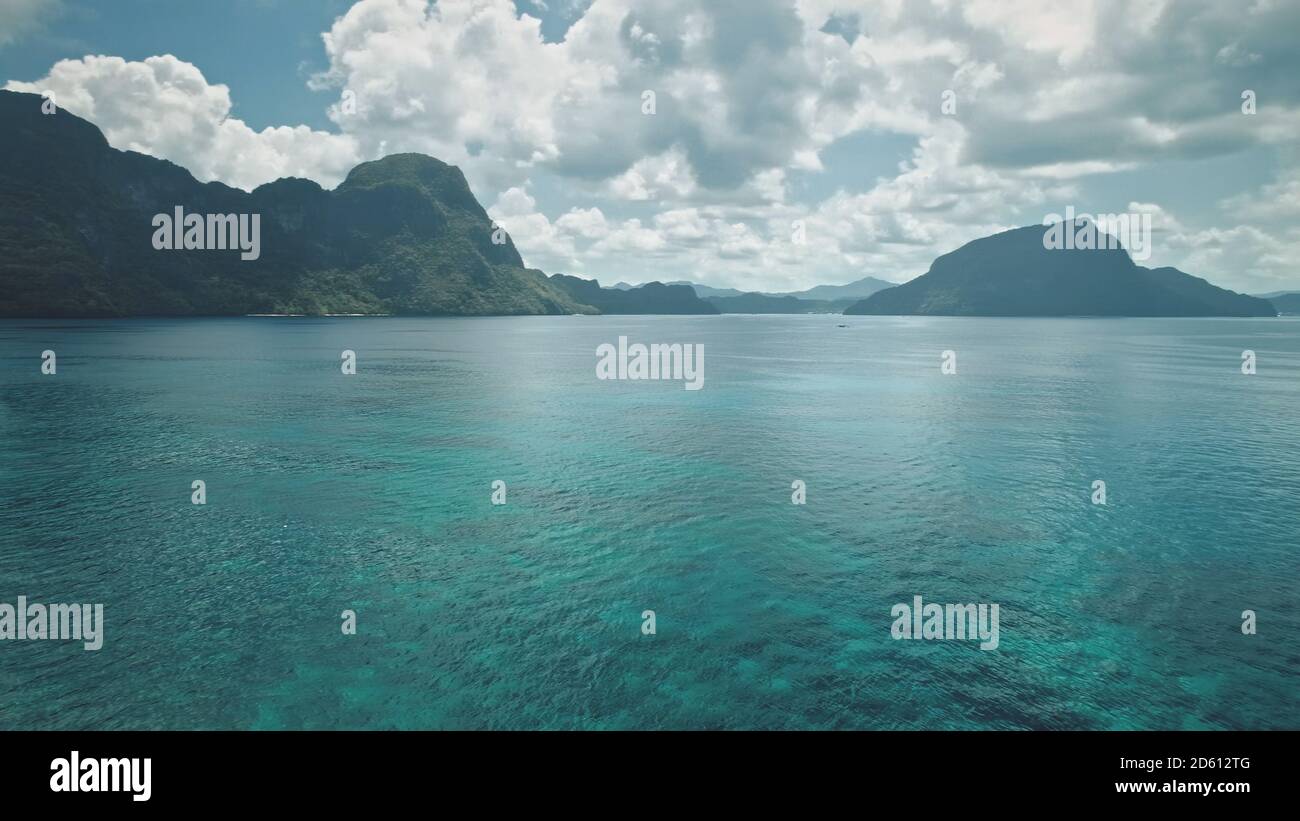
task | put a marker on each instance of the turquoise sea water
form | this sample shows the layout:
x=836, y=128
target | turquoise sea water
x=372, y=492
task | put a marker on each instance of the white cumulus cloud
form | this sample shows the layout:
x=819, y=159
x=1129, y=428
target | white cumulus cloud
x=164, y=107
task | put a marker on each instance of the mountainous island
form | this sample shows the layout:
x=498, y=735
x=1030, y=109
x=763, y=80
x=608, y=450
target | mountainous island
x=80, y=237
x=821, y=299
x=1013, y=274
x=651, y=298
x=401, y=235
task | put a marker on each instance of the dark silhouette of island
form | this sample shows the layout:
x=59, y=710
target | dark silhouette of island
x=1013, y=274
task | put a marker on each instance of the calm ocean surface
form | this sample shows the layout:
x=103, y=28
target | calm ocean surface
x=371, y=492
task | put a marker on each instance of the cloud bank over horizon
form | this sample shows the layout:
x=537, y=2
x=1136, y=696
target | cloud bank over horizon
x=757, y=144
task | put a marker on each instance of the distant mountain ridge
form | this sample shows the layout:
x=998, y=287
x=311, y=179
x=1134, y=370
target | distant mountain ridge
x=1286, y=303
x=652, y=298
x=819, y=299
x=1013, y=274
x=858, y=288
x=754, y=303
x=703, y=291
x=1273, y=294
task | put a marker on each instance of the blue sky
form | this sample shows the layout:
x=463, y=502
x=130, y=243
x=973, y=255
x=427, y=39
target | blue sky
x=260, y=49
x=770, y=116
